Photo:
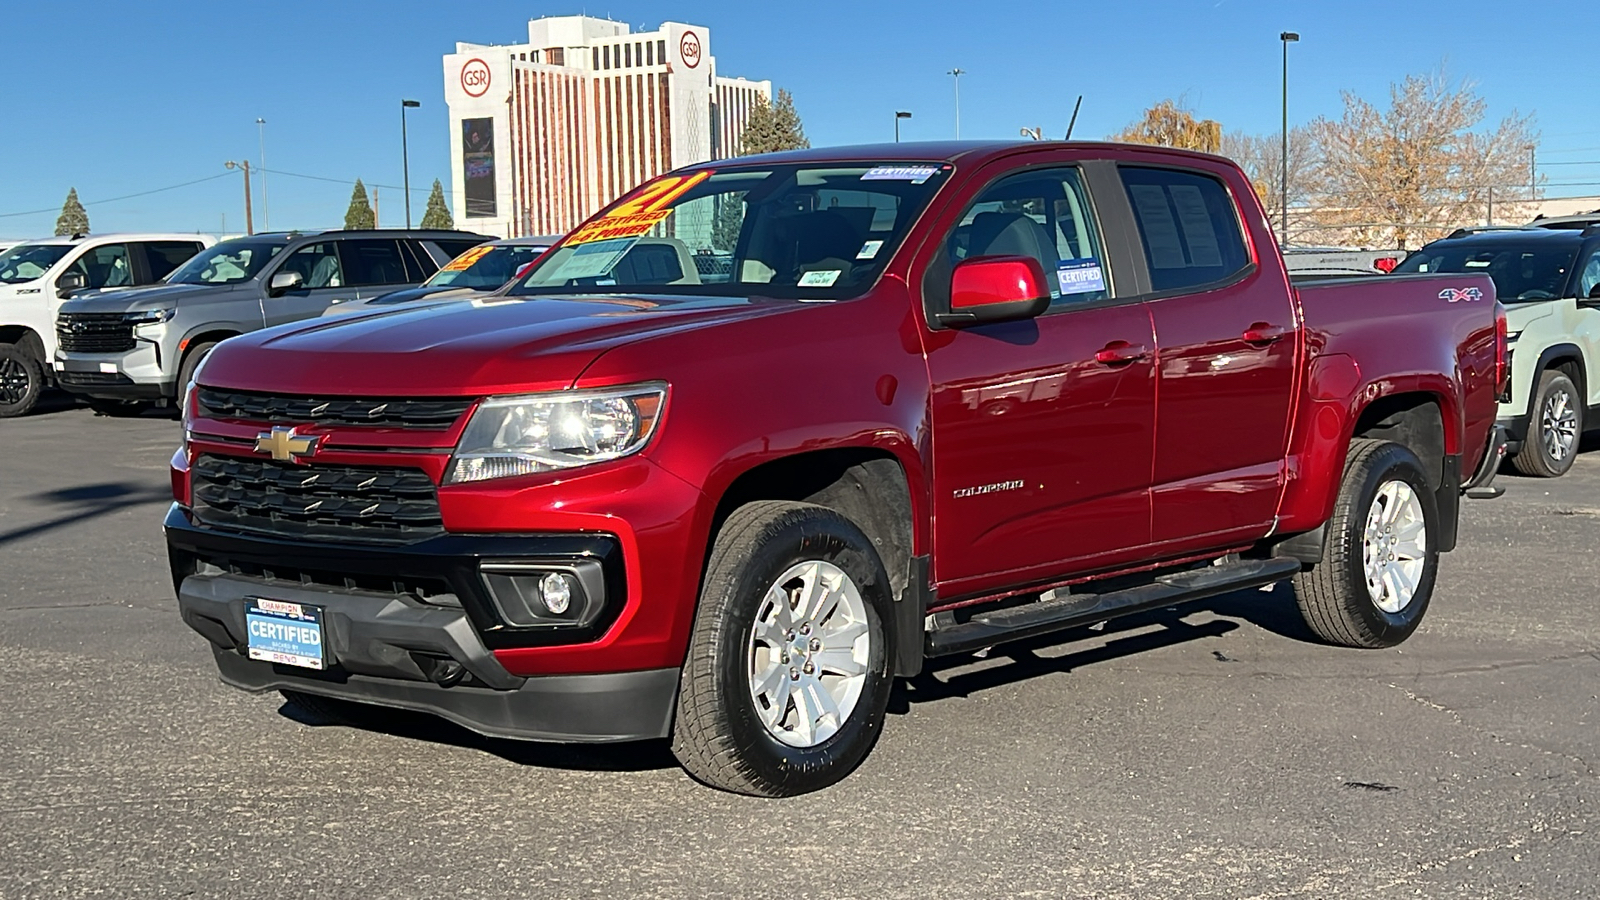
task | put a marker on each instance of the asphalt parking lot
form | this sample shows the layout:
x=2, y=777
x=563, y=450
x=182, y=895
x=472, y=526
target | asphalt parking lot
x=1215, y=751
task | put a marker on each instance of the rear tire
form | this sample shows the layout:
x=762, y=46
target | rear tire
x=1551, y=443
x=788, y=674
x=1379, y=553
x=21, y=380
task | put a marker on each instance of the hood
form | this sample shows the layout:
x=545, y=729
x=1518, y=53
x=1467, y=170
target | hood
x=397, y=298
x=138, y=299
x=1520, y=315
x=490, y=345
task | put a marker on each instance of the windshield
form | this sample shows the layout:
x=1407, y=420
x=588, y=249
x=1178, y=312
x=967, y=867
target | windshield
x=820, y=231
x=485, y=267
x=25, y=262
x=1521, y=273
x=229, y=262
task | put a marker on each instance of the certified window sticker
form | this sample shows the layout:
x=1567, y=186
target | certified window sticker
x=1081, y=276
x=869, y=250
x=913, y=174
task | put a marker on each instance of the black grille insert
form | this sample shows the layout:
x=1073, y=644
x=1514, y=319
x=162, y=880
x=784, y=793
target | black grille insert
x=429, y=414
x=94, y=332
x=360, y=503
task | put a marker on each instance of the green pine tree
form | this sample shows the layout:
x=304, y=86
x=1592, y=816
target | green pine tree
x=74, y=218
x=359, y=215
x=773, y=127
x=729, y=220
x=437, y=214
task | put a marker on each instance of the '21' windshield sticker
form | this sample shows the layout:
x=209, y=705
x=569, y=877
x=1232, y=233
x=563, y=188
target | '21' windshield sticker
x=642, y=211
x=1460, y=295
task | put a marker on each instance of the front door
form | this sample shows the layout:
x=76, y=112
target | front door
x=1042, y=429
x=322, y=283
x=1229, y=336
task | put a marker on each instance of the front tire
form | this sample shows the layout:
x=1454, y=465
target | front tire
x=1379, y=553
x=788, y=674
x=21, y=380
x=1553, y=433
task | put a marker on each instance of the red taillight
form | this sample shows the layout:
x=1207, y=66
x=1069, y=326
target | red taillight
x=1501, y=350
x=1385, y=264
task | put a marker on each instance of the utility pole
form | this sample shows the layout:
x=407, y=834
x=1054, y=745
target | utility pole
x=376, y=222
x=1533, y=173
x=1491, y=206
x=1287, y=37
x=266, y=209
x=957, y=73
x=249, y=222
x=405, y=155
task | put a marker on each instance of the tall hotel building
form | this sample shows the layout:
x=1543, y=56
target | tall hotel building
x=544, y=134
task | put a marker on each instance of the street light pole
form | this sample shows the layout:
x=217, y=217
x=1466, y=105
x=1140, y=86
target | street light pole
x=899, y=114
x=405, y=154
x=1287, y=37
x=249, y=224
x=266, y=208
x=957, y=73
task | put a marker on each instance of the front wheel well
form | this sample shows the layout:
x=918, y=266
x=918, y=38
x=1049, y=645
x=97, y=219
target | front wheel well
x=25, y=338
x=867, y=486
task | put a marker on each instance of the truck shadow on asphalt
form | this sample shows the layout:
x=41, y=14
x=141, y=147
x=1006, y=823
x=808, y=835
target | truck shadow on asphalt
x=941, y=679
x=85, y=502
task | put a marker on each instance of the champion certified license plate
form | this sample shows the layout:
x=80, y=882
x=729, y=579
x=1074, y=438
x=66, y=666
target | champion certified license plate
x=286, y=633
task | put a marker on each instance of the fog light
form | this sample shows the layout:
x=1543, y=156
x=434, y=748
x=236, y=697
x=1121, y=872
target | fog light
x=556, y=592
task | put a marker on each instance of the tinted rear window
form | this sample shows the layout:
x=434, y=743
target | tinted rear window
x=1189, y=227
x=1523, y=272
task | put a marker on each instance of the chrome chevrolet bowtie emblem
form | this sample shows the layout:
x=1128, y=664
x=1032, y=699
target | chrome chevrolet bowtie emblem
x=284, y=445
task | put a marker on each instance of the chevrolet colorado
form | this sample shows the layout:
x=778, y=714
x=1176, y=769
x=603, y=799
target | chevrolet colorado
x=767, y=433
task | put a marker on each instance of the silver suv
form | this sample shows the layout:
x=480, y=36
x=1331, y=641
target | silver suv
x=137, y=348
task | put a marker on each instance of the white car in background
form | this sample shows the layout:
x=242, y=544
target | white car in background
x=37, y=276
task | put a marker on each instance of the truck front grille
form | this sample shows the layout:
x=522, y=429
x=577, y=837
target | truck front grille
x=418, y=414
x=357, y=503
x=94, y=333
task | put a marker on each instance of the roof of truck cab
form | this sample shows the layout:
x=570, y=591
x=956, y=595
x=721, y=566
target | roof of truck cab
x=942, y=151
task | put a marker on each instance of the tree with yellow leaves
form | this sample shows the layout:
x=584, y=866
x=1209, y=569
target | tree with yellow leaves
x=1168, y=124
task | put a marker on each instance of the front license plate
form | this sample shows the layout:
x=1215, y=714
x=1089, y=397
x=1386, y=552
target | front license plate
x=286, y=633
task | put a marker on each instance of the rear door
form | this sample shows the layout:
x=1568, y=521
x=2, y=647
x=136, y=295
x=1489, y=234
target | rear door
x=322, y=284
x=160, y=258
x=374, y=266
x=1041, y=450
x=1228, y=331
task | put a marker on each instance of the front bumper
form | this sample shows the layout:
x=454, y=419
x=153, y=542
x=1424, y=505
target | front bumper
x=1516, y=431
x=131, y=375
x=416, y=626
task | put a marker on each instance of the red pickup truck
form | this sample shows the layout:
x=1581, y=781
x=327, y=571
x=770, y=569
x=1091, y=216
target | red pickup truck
x=768, y=433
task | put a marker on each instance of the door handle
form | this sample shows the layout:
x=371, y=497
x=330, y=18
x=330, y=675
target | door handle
x=1261, y=334
x=1119, y=353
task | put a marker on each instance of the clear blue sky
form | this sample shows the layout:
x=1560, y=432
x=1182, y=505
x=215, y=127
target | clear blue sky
x=120, y=97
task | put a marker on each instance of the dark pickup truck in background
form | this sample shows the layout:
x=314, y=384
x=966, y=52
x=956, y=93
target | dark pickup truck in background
x=928, y=399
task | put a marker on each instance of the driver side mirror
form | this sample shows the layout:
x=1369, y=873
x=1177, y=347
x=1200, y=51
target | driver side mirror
x=70, y=284
x=283, y=282
x=996, y=289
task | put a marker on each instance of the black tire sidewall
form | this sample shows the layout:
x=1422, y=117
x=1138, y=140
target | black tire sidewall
x=35, y=371
x=814, y=534
x=191, y=361
x=1389, y=462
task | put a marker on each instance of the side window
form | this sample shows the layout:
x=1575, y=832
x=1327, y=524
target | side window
x=1189, y=225
x=1044, y=214
x=1589, y=275
x=164, y=256
x=318, y=265
x=105, y=266
x=372, y=261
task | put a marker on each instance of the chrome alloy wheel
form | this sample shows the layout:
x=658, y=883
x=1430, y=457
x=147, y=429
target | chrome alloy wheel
x=1558, y=425
x=13, y=381
x=808, y=655
x=1394, y=547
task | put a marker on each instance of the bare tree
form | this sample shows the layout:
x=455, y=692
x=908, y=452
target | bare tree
x=1408, y=174
x=1260, y=156
x=1170, y=124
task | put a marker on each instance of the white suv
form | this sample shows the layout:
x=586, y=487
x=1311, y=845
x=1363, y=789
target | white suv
x=1549, y=280
x=36, y=276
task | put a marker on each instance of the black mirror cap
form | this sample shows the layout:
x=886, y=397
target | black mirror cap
x=1012, y=311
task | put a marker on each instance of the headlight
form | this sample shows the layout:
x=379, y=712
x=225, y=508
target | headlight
x=148, y=317
x=544, y=432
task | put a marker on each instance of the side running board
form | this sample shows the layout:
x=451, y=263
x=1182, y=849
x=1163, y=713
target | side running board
x=1060, y=610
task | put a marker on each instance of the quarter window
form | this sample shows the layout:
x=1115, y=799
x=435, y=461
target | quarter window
x=373, y=261
x=1189, y=226
x=1044, y=214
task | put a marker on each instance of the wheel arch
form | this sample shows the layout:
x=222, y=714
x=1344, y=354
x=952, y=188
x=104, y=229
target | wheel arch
x=25, y=338
x=1567, y=358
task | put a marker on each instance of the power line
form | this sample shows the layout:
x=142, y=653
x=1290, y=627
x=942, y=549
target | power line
x=35, y=212
x=392, y=187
